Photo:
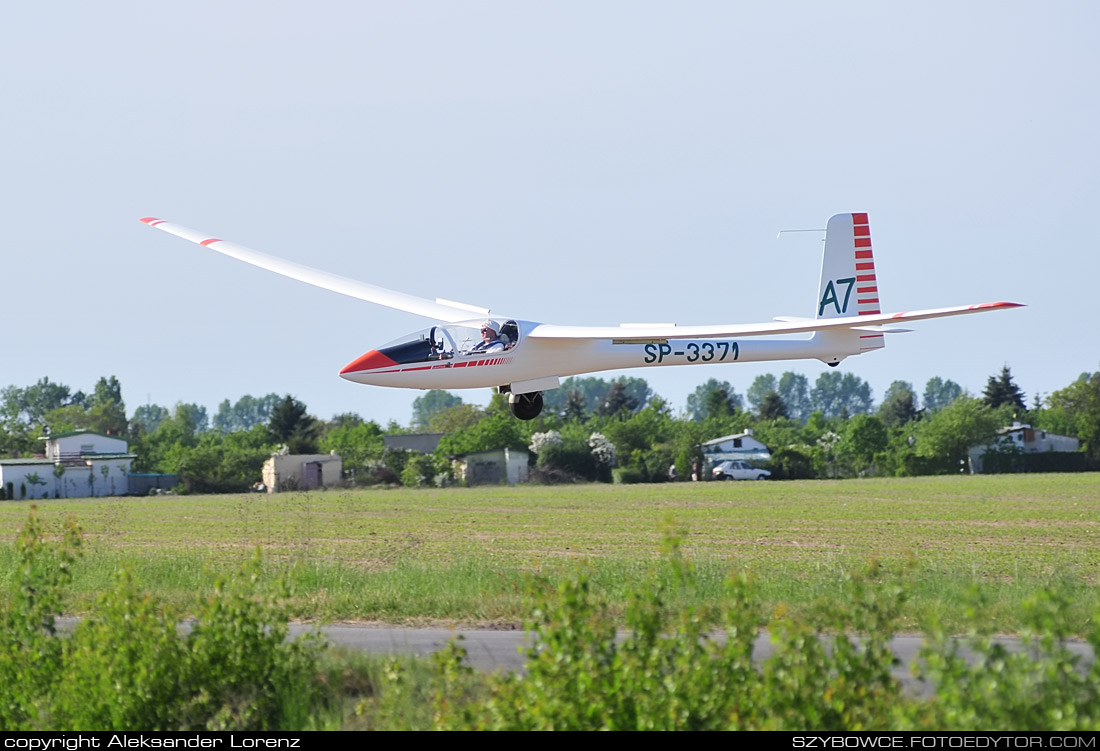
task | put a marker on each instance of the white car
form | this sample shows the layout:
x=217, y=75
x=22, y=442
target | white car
x=735, y=469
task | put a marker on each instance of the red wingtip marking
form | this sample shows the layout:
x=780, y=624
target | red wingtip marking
x=210, y=241
x=152, y=221
x=985, y=305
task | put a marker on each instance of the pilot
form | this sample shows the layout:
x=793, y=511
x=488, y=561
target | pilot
x=490, y=338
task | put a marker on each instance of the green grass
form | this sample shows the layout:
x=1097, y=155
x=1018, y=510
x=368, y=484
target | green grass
x=463, y=555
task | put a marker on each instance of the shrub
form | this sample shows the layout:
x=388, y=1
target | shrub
x=126, y=667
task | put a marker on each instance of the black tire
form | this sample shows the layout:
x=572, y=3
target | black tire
x=527, y=406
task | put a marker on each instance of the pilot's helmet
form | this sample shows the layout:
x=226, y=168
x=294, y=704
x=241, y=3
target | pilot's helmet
x=492, y=325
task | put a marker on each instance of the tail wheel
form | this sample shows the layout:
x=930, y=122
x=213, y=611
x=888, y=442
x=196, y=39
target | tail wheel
x=526, y=406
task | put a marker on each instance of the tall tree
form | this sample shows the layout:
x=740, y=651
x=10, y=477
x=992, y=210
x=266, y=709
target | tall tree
x=245, y=414
x=865, y=435
x=618, y=402
x=794, y=389
x=899, y=405
x=759, y=389
x=106, y=410
x=594, y=391
x=1080, y=404
x=431, y=403
x=713, y=399
x=939, y=393
x=773, y=407
x=575, y=408
x=149, y=417
x=292, y=425
x=841, y=395
x=948, y=434
x=1001, y=389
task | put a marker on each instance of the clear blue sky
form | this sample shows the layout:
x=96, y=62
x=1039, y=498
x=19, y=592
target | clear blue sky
x=571, y=162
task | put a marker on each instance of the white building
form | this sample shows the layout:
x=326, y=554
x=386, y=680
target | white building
x=302, y=471
x=737, y=446
x=492, y=467
x=75, y=465
x=1026, y=440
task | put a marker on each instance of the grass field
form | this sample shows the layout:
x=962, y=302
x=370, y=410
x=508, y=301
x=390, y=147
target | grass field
x=466, y=555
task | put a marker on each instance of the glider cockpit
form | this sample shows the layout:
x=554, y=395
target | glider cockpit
x=449, y=342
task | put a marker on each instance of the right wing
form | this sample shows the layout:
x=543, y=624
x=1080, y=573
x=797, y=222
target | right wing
x=646, y=332
x=439, y=310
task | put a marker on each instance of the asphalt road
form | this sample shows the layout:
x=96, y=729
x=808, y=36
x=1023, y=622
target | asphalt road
x=493, y=650
x=501, y=650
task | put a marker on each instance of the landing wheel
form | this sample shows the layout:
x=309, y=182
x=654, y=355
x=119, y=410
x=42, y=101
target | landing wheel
x=526, y=406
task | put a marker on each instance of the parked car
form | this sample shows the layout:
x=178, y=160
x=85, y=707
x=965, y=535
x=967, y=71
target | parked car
x=735, y=469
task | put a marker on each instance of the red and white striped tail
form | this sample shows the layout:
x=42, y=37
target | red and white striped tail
x=849, y=285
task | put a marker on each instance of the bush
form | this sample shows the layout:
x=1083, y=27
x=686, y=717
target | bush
x=692, y=668
x=126, y=667
x=627, y=476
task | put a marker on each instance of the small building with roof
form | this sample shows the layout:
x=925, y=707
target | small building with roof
x=76, y=464
x=1022, y=448
x=284, y=472
x=736, y=446
x=500, y=466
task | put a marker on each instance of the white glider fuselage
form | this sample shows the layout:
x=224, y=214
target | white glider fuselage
x=534, y=358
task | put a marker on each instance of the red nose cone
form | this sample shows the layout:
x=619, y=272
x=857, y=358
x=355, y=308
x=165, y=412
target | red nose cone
x=370, y=361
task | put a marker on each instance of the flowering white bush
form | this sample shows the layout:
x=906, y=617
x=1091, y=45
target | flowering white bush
x=602, y=449
x=549, y=438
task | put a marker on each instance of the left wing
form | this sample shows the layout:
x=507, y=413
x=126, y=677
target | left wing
x=440, y=310
x=665, y=331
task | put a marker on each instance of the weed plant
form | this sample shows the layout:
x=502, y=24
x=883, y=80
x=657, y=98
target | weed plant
x=126, y=666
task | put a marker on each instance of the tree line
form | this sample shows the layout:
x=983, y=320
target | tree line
x=590, y=429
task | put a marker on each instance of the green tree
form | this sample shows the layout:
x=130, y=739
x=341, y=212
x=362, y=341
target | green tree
x=713, y=399
x=864, y=437
x=494, y=432
x=360, y=446
x=594, y=391
x=794, y=389
x=1001, y=390
x=947, y=435
x=841, y=395
x=291, y=425
x=23, y=412
x=575, y=408
x=431, y=403
x=148, y=417
x=454, y=418
x=939, y=393
x=245, y=414
x=618, y=402
x=899, y=405
x=761, y=386
x=773, y=408
x=1078, y=408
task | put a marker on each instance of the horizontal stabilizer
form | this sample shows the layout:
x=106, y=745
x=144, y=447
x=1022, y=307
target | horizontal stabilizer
x=881, y=330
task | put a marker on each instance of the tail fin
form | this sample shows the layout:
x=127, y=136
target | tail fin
x=848, y=282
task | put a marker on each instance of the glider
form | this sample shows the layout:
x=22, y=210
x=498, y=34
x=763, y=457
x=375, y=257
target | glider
x=469, y=347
